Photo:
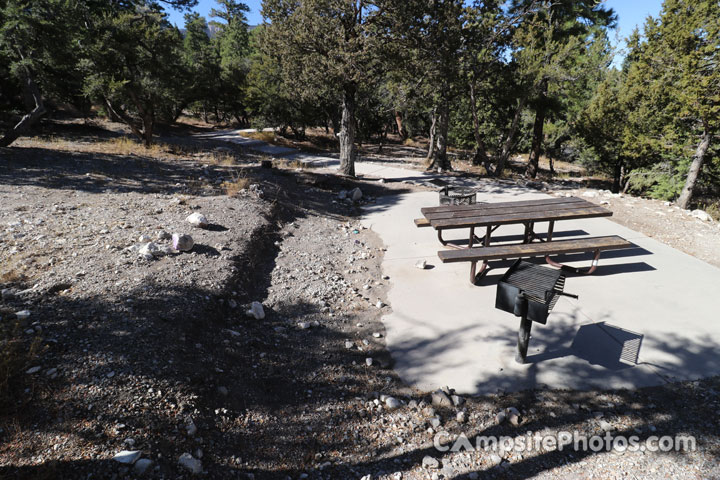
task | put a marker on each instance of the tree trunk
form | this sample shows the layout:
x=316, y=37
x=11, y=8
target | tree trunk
x=347, y=133
x=148, y=124
x=509, y=139
x=402, y=131
x=534, y=161
x=121, y=114
x=695, y=167
x=617, y=176
x=481, y=156
x=440, y=159
x=433, y=131
x=27, y=120
x=537, y=139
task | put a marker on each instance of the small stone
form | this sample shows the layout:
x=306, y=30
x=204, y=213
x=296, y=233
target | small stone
x=188, y=461
x=421, y=264
x=607, y=426
x=51, y=371
x=430, y=462
x=303, y=325
x=256, y=310
x=142, y=465
x=386, y=277
x=182, y=242
x=32, y=370
x=191, y=428
x=500, y=417
x=379, y=304
x=110, y=375
x=7, y=294
x=495, y=459
x=127, y=457
x=163, y=235
x=150, y=251
x=461, y=417
x=440, y=399
x=435, y=422
x=197, y=220
x=22, y=314
x=349, y=345
x=377, y=335
x=356, y=194
x=342, y=194
x=393, y=403
x=457, y=400
x=369, y=361
x=144, y=239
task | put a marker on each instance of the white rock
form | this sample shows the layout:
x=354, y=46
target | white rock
x=495, y=459
x=434, y=422
x=150, y=251
x=197, y=220
x=127, y=457
x=349, y=345
x=33, y=370
x=500, y=417
x=421, y=264
x=356, y=194
x=188, y=461
x=379, y=304
x=144, y=239
x=377, y=335
x=182, y=242
x=392, y=403
x=440, y=399
x=430, y=462
x=369, y=361
x=457, y=400
x=22, y=314
x=702, y=215
x=256, y=310
x=461, y=417
x=589, y=194
x=303, y=325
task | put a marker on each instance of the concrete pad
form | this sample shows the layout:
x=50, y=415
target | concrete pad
x=646, y=316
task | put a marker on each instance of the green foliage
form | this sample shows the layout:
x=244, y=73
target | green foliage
x=133, y=64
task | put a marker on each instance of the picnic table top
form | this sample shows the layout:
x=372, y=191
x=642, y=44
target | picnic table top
x=503, y=213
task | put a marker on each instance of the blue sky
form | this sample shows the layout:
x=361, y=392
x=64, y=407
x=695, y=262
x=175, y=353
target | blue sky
x=630, y=12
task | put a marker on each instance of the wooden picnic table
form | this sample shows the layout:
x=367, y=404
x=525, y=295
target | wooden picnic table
x=525, y=212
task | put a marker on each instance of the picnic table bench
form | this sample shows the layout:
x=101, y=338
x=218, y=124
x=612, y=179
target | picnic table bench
x=527, y=213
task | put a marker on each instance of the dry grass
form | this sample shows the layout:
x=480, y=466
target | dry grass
x=233, y=187
x=222, y=158
x=263, y=136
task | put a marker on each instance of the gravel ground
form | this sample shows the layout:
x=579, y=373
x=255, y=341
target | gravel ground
x=159, y=357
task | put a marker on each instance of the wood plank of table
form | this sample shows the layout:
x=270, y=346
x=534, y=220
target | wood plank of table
x=508, y=210
x=507, y=219
x=493, y=205
x=611, y=242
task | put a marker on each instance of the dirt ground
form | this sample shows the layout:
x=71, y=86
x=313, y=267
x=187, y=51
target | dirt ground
x=158, y=356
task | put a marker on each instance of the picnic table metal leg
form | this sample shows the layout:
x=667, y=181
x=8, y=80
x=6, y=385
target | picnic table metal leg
x=584, y=271
x=472, y=237
x=475, y=276
x=551, y=227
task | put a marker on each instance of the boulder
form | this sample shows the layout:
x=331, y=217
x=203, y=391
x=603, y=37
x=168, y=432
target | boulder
x=182, y=242
x=701, y=215
x=197, y=219
x=356, y=194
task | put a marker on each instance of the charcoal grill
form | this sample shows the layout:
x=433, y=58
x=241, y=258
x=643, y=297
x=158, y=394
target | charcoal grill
x=457, y=196
x=530, y=292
